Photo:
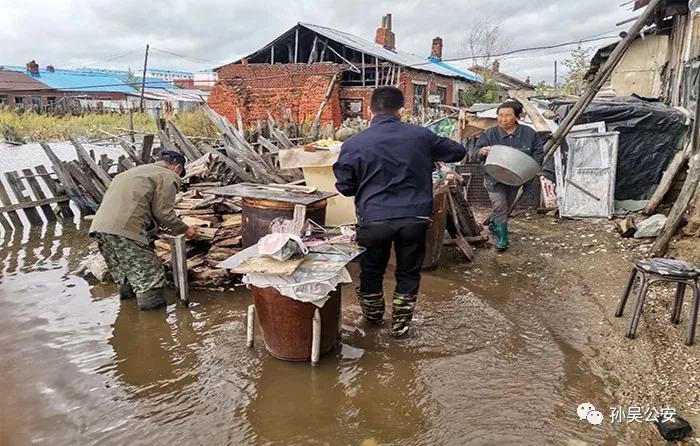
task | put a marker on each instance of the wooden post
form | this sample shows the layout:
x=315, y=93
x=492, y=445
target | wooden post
x=316, y=338
x=92, y=189
x=250, y=326
x=129, y=149
x=272, y=55
x=143, y=79
x=363, y=69
x=131, y=125
x=179, y=264
x=312, y=53
x=64, y=178
x=147, y=148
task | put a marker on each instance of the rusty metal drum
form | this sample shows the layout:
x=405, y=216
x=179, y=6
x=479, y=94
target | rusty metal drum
x=257, y=214
x=287, y=323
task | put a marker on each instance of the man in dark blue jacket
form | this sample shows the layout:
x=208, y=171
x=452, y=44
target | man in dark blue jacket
x=388, y=169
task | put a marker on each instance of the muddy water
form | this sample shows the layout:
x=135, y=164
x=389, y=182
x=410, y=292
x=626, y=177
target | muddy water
x=491, y=362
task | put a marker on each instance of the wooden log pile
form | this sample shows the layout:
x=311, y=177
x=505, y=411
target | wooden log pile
x=219, y=225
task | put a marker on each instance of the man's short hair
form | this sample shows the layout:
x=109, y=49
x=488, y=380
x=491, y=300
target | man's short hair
x=386, y=101
x=516, y=106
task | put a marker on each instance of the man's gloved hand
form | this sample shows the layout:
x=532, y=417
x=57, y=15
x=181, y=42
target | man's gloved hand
x=191, y=232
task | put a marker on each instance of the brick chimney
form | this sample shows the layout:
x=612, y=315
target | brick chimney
x=436, y=50
x=50, y=68
x=385, y=37
x=33, y=67
x=496, y=67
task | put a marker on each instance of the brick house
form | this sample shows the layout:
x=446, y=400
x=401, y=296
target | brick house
x=295, y=71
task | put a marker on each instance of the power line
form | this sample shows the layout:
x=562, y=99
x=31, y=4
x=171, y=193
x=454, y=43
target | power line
x=190, y=58
x=111, y=58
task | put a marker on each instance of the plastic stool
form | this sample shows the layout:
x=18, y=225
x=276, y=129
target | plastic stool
x=663, y=270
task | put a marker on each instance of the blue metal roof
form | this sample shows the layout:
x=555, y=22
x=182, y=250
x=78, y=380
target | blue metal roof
x=71, y=81
x=464, y=73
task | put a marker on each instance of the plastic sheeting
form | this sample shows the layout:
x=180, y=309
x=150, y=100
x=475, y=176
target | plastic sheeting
x=650, y=133
x=296, y=287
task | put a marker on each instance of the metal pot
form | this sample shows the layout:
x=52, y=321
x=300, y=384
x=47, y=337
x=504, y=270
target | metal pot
x=510, y=166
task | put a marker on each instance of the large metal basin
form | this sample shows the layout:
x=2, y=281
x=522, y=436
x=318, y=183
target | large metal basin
x=510, y=166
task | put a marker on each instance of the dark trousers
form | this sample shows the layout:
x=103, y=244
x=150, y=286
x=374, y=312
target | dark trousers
x=408, y=237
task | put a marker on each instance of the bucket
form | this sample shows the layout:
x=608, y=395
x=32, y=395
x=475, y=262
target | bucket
x=510, y=166
x=287, y=323
x=257, y=214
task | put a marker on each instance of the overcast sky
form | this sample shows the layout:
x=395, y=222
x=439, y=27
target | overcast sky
x=209, y=33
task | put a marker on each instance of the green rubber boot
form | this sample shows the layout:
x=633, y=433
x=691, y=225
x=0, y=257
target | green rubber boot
x=126, y=291
x=372, y=305
x=151, y=299
x=402, y=313
x=502, y=234
x=492, y=226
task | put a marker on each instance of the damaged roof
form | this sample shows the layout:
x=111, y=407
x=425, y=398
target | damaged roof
x=397, y=57
x=14, y=81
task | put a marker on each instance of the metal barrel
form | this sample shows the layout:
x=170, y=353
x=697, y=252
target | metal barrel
x=257, y=215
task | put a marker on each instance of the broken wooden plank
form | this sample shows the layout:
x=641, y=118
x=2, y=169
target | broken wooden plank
x=317, y=120
x=65, y=179
x=8, y=208
x=85, y=158
x=239, y=171
x=131, y=153
x=17, y=188
x=179, y=264
x=39, y=194
x=186, y=147
x=105, y=163
x=33, y=204
x=52, y=186
x=667, y=180
x=84, y=181
x=537, y=120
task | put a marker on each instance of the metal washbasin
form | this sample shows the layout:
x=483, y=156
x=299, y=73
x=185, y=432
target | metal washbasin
x=510, y=166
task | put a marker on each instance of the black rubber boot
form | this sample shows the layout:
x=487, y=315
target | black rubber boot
x=151, y=299
x=402, y=313
x=126, y=291
x=372, y=305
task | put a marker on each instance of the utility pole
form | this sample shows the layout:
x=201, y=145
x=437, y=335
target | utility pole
x=143, y=79
x=555, y=75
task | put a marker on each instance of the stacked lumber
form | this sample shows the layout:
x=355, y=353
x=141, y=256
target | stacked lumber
x=219, y=225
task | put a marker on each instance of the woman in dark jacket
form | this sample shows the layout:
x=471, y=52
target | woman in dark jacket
x=508, y=133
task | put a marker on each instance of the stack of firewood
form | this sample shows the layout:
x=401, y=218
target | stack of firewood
x=218, y=222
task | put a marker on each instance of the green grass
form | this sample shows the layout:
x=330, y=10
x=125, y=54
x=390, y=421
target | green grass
x=41, y=127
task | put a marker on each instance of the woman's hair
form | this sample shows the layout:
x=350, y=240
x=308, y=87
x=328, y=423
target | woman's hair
x=516, y=106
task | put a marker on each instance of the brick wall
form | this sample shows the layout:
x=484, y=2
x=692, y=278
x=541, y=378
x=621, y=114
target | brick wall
x=256, y=89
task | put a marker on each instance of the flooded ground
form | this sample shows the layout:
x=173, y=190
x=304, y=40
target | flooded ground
x=503, y=351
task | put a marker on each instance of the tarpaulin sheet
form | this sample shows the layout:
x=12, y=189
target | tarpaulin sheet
x=650, y=133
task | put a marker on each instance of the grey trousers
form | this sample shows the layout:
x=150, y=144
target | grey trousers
x=502, y=197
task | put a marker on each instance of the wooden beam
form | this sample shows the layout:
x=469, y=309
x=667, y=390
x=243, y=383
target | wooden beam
x=674, y=167
x=39, y=194
x=64, y=178
x=34, y=204
x=312, y=53
x=585, y=99
x=317, y=120
x=363, y=69
x=296, y=45
x=537, y=120
x=78, y=175
x=272, y=55
x=91, y=164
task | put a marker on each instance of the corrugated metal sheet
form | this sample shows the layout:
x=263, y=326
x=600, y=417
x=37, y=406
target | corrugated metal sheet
x=14, y=81
x=398, y=57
